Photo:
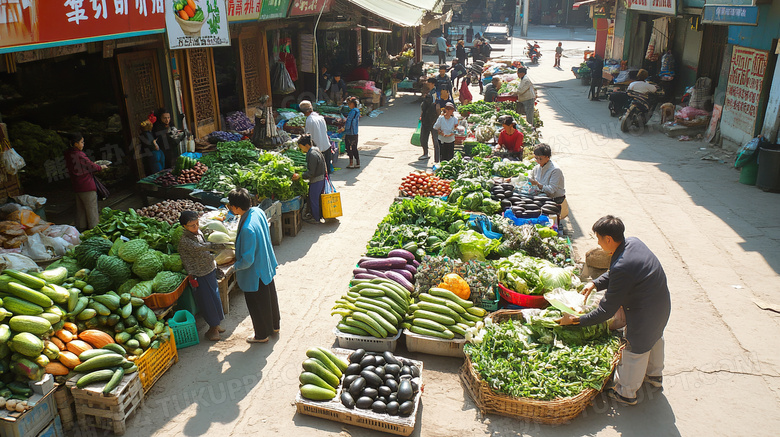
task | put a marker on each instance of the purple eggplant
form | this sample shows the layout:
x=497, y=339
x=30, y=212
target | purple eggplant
x=401, y=253
x=377, y=273
x=415, y=263
x=365, y=276
x=399, y=278
x=405, y=273
x=384, y=263
x=412, y=269
x=358, y=270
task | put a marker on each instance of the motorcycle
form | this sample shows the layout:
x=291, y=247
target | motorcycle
x=533, y=53
x=640, y=110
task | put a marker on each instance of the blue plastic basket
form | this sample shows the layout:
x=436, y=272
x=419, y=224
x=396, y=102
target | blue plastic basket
x=291, y=205
x=184, y=330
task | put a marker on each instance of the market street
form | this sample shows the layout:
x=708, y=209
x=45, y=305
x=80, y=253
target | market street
x=714, y=237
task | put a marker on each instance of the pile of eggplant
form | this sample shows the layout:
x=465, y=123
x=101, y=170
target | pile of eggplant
x=523, y=205
x=380, y=382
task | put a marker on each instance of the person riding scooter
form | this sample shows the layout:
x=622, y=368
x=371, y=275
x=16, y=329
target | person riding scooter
x=534, y=52
x=643, y=96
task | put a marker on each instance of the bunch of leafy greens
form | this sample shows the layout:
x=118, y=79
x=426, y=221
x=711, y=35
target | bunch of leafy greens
x=220, y=177
x=231, y=152
x=528, y=275
x=508, y=169
x=424, y=211
x=115, y=223
x=37, y=146
x=389, y=236
x=511, y=358
x=468, y=245
x=479, y=107
x=272, y=177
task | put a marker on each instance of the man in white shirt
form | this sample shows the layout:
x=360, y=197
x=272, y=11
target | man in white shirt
x=642, y=87
x=316, y=127
x=526, y=95
x=548, y=177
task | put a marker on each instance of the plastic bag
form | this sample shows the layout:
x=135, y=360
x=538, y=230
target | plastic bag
x=35, y=249
x=68, y=233
x=12, y=161
x=17, y=261
x=747, y=153
x=282, y=83
x=25, y=217
x=31, y=201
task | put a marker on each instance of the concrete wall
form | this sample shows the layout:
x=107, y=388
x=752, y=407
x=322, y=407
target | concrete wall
x=761, y=36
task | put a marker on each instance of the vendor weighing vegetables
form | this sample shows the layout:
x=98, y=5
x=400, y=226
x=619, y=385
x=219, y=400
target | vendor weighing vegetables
x=636, y=286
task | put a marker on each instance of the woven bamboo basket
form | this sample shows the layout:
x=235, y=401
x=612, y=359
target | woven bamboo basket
x=552, y=412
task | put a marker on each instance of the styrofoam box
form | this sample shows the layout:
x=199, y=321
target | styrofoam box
x=32, y=421
x=373, y=344
x=434, y=346
x=45, y=385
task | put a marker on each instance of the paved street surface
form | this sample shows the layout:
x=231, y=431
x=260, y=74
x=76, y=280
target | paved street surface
x=717, y=240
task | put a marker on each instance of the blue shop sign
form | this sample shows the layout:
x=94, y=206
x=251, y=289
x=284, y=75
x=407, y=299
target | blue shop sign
x=728, y=14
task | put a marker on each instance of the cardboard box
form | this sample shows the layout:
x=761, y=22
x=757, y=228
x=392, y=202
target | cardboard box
x=31, y=422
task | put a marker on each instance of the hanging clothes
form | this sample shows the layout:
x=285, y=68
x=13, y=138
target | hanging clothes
x=288, y=59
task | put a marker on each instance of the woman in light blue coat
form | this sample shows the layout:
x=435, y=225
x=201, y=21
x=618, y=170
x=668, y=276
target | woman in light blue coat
x=255, y=265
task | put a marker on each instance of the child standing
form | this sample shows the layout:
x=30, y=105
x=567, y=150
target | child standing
x=350, y=130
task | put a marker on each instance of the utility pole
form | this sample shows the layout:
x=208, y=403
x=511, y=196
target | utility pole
x=518, y=15
x=525, y=17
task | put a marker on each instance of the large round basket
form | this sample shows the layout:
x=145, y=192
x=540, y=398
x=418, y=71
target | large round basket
x=552, y=412
x=191, y=28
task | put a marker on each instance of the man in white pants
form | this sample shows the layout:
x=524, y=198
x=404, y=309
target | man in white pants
x=636, y=287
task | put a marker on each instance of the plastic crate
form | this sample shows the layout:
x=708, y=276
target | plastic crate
x=158, y=301
x=291, y=205
x=187, y=302
x=373, y=344
x=154, y=362
x=490, y=305
x=434, y=346
x=185, y=332
x=523, y=300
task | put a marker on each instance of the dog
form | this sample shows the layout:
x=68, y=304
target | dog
x=667, y=112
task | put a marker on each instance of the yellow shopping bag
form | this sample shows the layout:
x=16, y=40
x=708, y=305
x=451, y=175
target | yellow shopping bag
x=331, y=201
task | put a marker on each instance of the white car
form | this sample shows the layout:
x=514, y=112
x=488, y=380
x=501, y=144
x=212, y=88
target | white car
x=497, y=32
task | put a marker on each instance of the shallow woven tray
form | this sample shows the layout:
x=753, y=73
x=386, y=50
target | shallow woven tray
x=552, y=412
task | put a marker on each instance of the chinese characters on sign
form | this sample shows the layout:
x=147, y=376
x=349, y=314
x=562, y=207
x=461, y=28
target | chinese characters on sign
x=746, y=81
x=25, y=22
x=244, y=10
x=310, y=7
x=657, y=6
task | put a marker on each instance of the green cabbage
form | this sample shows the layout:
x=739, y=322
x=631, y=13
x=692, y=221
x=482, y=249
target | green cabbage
x=142, y=289
x=133, y=249
x=552, y=277
x=468, y=245
x=148, y=265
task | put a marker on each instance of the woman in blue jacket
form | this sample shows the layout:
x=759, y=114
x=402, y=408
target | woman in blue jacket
x=255, y=265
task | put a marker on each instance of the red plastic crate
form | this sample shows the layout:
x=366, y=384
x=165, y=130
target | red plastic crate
x=523, y=300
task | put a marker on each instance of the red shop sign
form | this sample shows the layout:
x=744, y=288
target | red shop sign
x=310, y=7
x=51, y=22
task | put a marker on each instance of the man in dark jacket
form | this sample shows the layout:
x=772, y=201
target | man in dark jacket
x=596, y=66
x=636, y=287
x=428, y=116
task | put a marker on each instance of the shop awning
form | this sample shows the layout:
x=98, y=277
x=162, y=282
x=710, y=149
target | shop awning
x=395, y=11
x=436, y=22
x=577, y=5
x=434, y=6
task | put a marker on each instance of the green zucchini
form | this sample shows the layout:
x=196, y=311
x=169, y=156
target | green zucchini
x=447, y=334
x=28, y=280
x=317, y=393
x=312, y=378
x=116, y=378
x=316, y=366
x=428, y=324
x=351, y=330
x=351, y=321
x=365, y=318
x=447, y=294
x=93, y=377
x=324, y=359
x=436, y=317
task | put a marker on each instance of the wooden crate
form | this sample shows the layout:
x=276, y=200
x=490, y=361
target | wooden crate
x=292, y=222
x=94, y=410
x=225, y=286
x=65, y=407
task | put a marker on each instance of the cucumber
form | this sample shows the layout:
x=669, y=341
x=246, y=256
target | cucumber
x=33, y=324
x=457, y=329
x=428, y=324
x=127, y=310
x=372, y=292
x=312, y=378
x=56, y=293
x=116, y=378
x=447, y=294
x=136, y=301
x=342, y=364
x=471, y=317
x=351, y=321
x=109, y=301
x=82, y=303
x=87, y=314
x=21, y=306
x=436, y=308
x=141, y=313
x=317, y=393
x=436, y=317
x=100, y=362
x=92, y=353
x=131, y=369
x=115, y=348
x=386, y=315
x=365, y=318
x=28, y=280
x=388, y=326
x=351, y=330
x=100, y=308
x=18, y=388
x=398, y=309
x=316, y=366
x=93, y=377
x=447, y=334
x=455, y=307
x=432, y=299
x=27, y=344
x=477, y=311
x=318, y=354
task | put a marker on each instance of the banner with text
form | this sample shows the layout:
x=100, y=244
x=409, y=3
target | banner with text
x=196, y=23
x=743, y=93
x=31, y=24
x=274, y=9
x=666, y=7
x=310, y=7
x=244, y=10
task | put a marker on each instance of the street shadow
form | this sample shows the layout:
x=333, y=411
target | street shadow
x=214, y=396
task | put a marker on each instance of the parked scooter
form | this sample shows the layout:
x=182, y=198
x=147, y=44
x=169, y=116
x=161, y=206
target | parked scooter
x=533, y=52
x=640, y=110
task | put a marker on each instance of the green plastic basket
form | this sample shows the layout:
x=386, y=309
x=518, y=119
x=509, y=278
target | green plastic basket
x=184, y=330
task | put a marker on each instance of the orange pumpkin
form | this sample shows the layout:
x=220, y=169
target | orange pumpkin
x=457, y=285
x=96, y=338
x=56, y=368
x=78, y=346
x=69, y=359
